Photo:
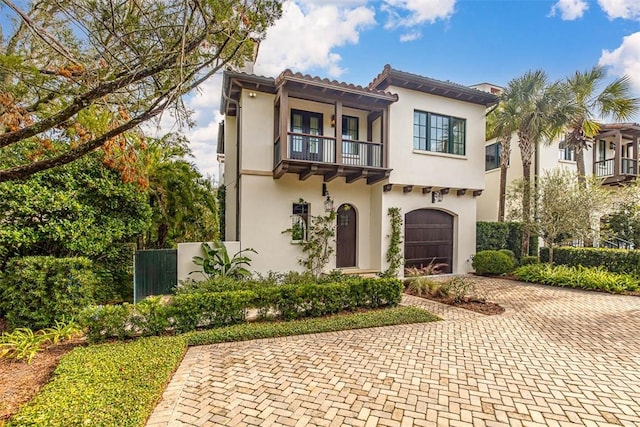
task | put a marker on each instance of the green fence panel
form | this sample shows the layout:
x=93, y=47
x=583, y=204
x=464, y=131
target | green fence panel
x=155, y=272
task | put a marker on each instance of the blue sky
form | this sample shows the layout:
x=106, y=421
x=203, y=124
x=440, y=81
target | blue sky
x=464, y=41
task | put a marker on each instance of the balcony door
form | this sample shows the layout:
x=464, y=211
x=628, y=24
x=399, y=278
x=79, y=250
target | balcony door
x=304, y=145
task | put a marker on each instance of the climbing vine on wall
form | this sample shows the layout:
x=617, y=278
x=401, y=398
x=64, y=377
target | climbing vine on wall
x=394, y=255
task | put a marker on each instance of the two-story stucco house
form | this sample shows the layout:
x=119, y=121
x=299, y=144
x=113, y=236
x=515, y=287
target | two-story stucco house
x=295, y=146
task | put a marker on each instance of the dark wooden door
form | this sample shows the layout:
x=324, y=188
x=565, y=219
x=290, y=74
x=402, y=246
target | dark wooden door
x=304, y=145
x=346, y=236
x=428, y=237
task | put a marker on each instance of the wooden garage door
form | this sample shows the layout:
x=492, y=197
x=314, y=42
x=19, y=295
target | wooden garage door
x=428, y=236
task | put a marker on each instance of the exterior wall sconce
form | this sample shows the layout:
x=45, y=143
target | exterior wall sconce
x=612, y=145
x=333, y=120
x=252, y=94
x=328, y=204
x=437, y=196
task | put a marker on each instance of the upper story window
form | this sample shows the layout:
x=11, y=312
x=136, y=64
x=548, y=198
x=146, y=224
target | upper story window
x=349, y=134
x=299, y=221
x=566, y=152
x=441, y=134
x=492, y=156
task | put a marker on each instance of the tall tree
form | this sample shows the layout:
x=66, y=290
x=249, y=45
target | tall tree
x=88, y=73
x=502, y=122
x=615, y=100
x=184, y=203
x=542, y=109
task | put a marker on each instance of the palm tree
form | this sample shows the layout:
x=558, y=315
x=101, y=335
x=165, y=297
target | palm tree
x=502, y=122
x=542, y=109
x=613, y=101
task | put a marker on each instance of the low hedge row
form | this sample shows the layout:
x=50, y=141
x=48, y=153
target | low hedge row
x=577, y=277
x=185, y=312
x=493, y=262
x=615, y=260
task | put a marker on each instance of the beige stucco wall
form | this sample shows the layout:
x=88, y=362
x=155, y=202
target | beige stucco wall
x=268, y=206
x=415, y=167
x=230, y=176
x=186, y=252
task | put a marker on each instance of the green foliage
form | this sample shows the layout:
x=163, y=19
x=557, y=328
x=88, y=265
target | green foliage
x=184, y=205
x=394, y=254
x=221, y=194
x=249, y=331
x=577, y=277
x=511, y=255
x=193, y=308
x=614, y=260
x=23, y=343
x=37, y=291
x=527, y=260
x=624, y=222
x=430, y=269
x=317, y=248
x=105, y=385
x=502, y=235
x=81, y=208
x=492, y=263
x=216, y=261
x=422, y=286
x=458, y=288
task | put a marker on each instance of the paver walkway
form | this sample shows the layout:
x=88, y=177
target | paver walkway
x=555, y=357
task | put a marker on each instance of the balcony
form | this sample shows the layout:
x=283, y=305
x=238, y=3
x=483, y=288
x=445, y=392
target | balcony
x=330, y=129
x=309, y=155
x=617, y=144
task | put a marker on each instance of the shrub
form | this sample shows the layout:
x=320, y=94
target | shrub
x=510, y=254
x=503, y=235
x=190, y=310
x=492, y=263
x=23, y=343
x=577, y=277
x=614, y=260
x=458, y=288
x=527, y=260
x=35, y=291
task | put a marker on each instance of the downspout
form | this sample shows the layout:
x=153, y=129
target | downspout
x=239, y=145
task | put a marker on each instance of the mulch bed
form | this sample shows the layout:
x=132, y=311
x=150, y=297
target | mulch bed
x=472, y=304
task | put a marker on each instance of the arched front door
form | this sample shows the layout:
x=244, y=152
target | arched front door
x=346, y=227
x=428, y=237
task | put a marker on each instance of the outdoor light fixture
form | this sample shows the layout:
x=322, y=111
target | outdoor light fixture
x=333, y=120
x=328, y=204
x=252, y=94
x=436, y=197
x=612, y=145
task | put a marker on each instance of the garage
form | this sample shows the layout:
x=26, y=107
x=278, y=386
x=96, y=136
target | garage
x=428, y=236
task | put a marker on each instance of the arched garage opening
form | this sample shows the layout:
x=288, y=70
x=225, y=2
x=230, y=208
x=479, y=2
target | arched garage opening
x=428, y=236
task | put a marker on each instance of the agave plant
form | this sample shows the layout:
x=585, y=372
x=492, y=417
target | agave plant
x=216, y=261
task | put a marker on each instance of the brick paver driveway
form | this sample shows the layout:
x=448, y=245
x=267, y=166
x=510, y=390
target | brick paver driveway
x=555, y=357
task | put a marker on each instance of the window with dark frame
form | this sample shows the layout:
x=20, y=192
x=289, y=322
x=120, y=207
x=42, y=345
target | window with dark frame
x=566, y=152
x=350, y=135
x=492, y=156
x=438, y=133
x=299, y=221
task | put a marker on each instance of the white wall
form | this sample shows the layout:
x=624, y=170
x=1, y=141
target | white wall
x=416, y=167
x=186, y=252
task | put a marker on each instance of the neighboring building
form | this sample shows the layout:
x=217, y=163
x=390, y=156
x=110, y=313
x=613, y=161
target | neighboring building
x=613, y=157
x=296, y=145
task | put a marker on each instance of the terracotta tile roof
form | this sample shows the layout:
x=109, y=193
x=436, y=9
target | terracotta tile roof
x=390, y=76
x=290, y=75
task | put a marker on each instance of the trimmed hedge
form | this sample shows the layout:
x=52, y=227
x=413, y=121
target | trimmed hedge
x=493, y=263
x=577, y=277
x=621, y=261
x=105, y=385
x=340, y=322
x=36, y=291
x=188, y=311
x=503, y=235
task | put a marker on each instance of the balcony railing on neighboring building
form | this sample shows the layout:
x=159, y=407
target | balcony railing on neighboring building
x=603, y=168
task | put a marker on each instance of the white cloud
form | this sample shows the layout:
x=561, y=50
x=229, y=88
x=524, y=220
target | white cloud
x=410, y=36
x=570, y=9
x=410, y=13
x=626, y=9
x=625, y=60
x=305, y=39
